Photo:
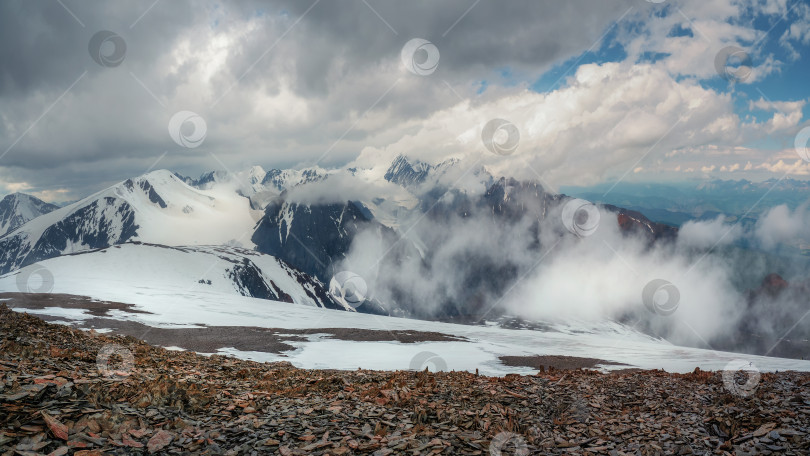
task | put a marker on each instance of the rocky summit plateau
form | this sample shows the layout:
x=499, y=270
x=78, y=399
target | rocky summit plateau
x=66, y=391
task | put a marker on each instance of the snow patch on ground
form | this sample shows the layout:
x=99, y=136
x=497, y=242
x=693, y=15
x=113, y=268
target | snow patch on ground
x=67, y=314
x=164, y=283
x=130, y=271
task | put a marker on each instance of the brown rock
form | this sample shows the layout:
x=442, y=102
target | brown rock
x=129, y=442
x=159, y=441
x=764, y=429
x=61, y=451
x=59, y=430
x=138, y=433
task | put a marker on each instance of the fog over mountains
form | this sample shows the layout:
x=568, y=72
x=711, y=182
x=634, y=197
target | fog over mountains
x=445, y=241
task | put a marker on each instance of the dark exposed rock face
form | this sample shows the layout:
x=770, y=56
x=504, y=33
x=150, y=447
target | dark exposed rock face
x=152, y=194
x=200, y=182
x=79, y=228
x=102, y=223
x=249, y=281
x=635, y=223
x=311, y=237
x=313, y=288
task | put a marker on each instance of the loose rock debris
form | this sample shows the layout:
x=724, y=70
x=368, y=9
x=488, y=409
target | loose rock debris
x=54, y=400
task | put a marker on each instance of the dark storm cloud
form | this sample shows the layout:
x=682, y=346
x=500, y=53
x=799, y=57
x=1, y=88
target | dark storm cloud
x=273, y=86
x=490, y=36
x=43, y=44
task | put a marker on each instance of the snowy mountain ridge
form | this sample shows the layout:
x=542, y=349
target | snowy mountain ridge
x=212, y=270
x=17, y=209
x=283, y=214
x=157, y=207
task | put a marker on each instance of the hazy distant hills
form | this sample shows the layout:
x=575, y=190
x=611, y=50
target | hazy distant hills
x=677, y=203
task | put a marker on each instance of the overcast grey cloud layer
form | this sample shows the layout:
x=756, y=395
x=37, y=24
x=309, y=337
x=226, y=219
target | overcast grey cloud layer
x=282, y=83
x=283, y=99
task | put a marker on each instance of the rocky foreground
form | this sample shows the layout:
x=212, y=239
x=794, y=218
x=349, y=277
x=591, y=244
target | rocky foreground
x=65, y=391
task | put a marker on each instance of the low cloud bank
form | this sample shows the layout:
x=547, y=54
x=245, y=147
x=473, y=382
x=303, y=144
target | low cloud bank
x=474, y=262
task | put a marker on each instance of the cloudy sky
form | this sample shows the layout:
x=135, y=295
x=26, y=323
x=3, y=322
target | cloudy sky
x=593, y=91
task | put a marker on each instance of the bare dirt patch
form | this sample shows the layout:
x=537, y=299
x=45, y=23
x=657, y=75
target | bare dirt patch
x=207, y=339
x=37, y=301
x=376, y=335
x=548, y=362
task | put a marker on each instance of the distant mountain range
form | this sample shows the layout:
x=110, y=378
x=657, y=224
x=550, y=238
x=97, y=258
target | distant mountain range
x=677, y=203
x=259, y=210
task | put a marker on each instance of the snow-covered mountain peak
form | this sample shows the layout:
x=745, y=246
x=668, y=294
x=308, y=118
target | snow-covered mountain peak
x=285, y=179
x=247, y=182
x=255, y=174
x=158, y=207
x=17, y=209
x=451, y=173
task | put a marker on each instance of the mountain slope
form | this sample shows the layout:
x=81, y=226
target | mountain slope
x=311, y=237
x=18, y=209
x=157, y=207
x=213, y=270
